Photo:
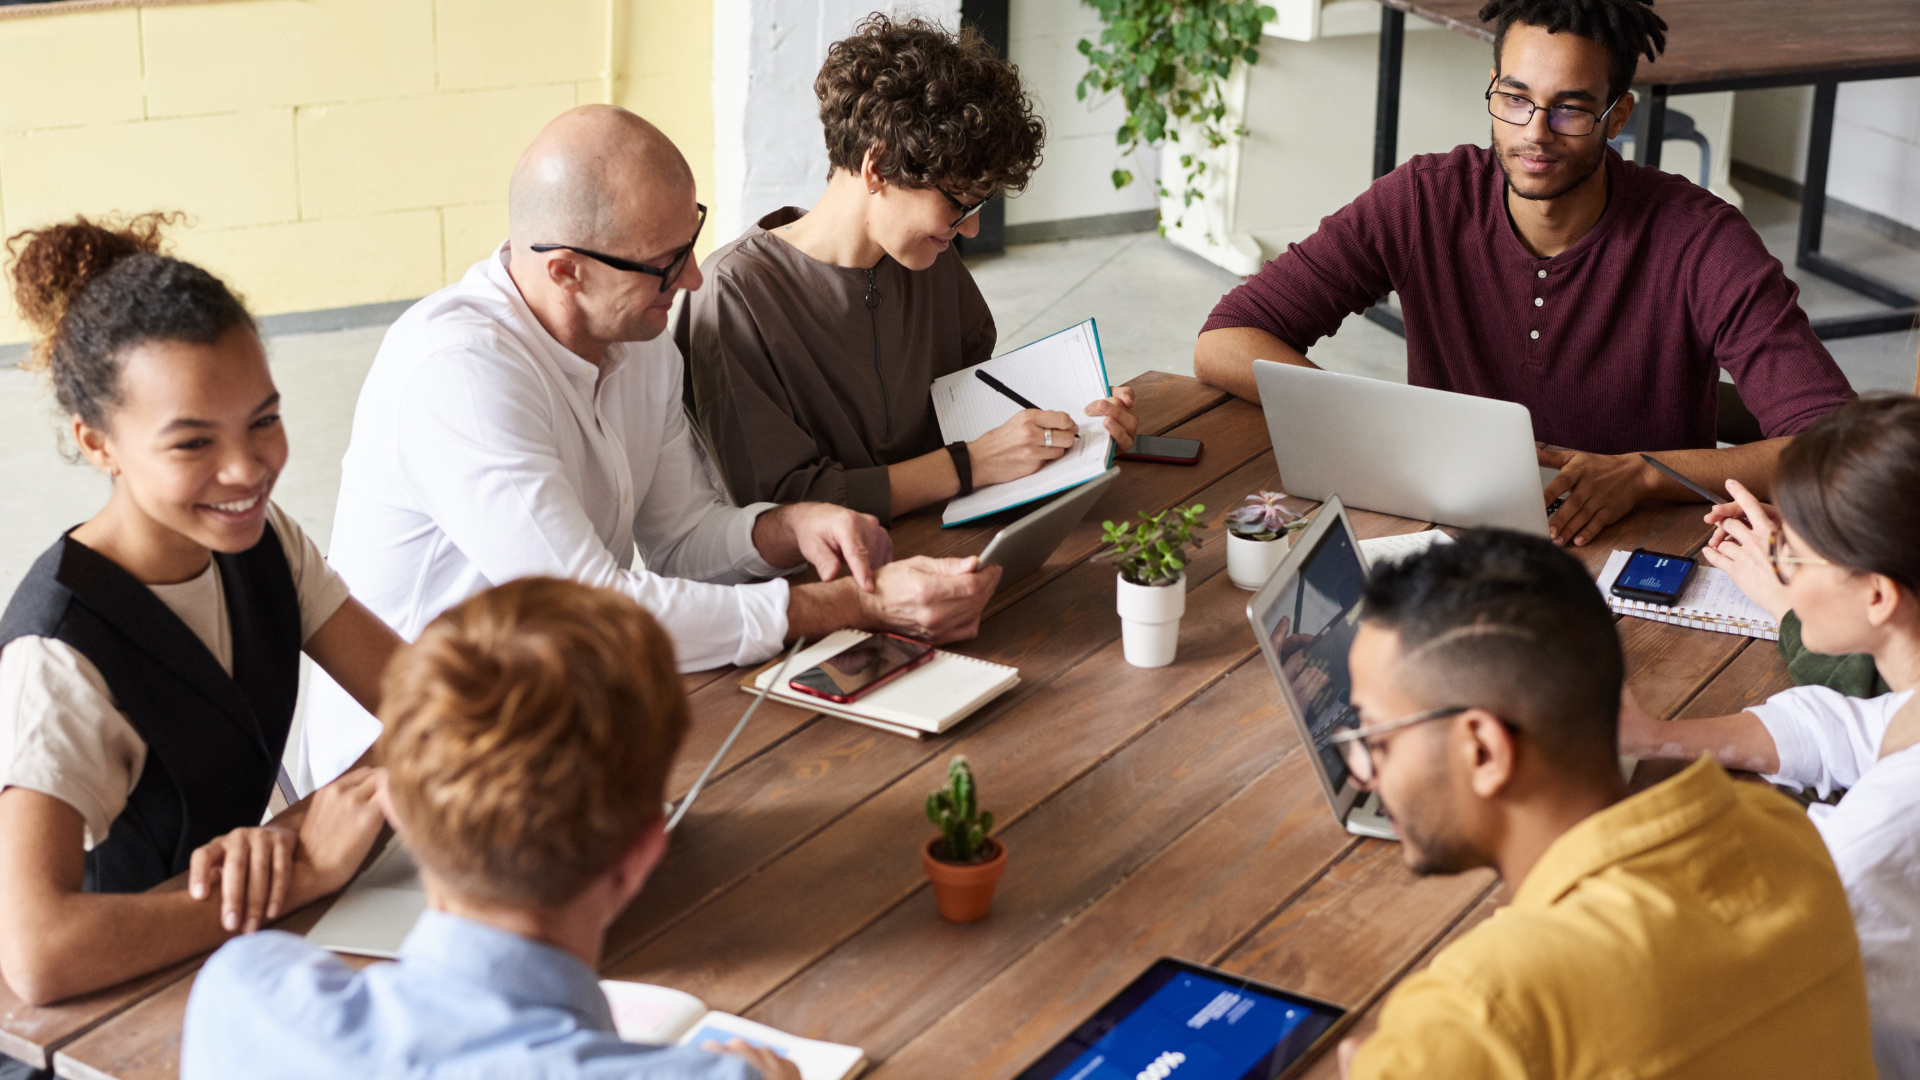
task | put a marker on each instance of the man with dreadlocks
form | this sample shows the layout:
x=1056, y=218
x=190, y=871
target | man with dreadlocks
x=1604, y=296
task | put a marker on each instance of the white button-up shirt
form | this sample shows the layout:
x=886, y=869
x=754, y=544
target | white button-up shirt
x=484, y=451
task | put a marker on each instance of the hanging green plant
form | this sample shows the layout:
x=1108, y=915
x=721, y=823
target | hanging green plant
x=1170, y=60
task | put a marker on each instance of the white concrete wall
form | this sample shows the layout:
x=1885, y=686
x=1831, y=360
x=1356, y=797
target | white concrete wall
x=768, y=148
x=1074, y=179
x=1876, y=142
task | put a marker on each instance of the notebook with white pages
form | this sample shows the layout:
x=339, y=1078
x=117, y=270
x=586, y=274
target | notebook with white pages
x=1063, y=372
x=660, y=1016
x=925, y=701
x=1710, y=601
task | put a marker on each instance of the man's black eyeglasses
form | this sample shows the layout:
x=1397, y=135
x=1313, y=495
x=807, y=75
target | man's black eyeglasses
x=667, y=274
x=966, y=211
x=1565, y=119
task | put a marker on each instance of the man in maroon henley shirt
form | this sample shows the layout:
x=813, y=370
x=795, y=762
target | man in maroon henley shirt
x=1602, y=295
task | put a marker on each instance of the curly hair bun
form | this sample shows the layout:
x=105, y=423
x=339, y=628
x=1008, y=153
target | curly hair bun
x=51, y=266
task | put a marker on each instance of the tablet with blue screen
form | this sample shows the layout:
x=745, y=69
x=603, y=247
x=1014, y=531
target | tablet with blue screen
x=1185, y=1021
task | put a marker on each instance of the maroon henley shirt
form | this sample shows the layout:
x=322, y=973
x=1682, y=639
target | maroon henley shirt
x=1612, y=344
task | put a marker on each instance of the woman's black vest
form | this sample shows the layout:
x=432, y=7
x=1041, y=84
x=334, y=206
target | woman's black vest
x=213, y=741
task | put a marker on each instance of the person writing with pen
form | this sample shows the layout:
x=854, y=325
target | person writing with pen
x=812, y=352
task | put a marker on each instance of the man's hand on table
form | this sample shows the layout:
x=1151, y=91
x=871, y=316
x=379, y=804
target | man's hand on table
x=1600, y=489
x=826, y=536
x=936, y=600
x=263, y=873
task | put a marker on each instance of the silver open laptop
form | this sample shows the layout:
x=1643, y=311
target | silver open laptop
x=1305, y=617
x=1419, y=453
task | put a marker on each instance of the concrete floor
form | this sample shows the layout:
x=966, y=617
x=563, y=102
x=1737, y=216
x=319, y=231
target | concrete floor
x=1149, y=296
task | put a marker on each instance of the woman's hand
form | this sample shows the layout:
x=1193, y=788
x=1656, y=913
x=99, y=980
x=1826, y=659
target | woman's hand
x=1740, y=547
x=1019, y=446
x=1119, y=419
x=252, y=868
x=342, y=822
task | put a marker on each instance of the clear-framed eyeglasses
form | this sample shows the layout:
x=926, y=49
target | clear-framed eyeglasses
x=1356, y=741
x=1565, y=119
x=1783, y=563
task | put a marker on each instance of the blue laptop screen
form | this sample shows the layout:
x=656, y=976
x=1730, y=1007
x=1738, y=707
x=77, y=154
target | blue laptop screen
x=1186, y=1022
x=1311, y=626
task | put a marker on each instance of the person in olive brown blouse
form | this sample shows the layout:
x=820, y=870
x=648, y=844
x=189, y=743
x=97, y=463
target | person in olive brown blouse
x=812, y=351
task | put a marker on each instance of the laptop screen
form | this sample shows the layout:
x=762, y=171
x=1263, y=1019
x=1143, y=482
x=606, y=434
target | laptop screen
x=1311, y=627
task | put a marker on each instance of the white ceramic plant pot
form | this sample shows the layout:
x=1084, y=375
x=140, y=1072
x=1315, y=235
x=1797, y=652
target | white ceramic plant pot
x=1150, y=620
x=1251, y=562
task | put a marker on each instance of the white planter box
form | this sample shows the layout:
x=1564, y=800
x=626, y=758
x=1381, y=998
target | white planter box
x=1251, y=562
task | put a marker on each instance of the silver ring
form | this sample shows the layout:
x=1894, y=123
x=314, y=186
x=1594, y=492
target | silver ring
x=1049, y=437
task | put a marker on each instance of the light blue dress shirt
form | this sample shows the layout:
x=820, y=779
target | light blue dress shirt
x=464, y=1000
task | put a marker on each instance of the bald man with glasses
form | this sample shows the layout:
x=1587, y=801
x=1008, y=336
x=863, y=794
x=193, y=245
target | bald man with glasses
x=1544, y=269
x=528, y=421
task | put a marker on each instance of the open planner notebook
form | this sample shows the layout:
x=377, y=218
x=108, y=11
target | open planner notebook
x=378, y=910
x=925, y=701
x=1711, y=601
x=1063, y=372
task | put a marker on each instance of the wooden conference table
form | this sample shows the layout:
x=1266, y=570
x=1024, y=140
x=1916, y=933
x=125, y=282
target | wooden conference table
x=1146, y=813
x=1719, y=45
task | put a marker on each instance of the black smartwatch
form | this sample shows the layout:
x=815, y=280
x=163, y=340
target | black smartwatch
x=963, y=465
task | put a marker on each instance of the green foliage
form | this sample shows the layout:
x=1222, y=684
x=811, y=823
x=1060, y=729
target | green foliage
x=1170, y=60
x=963, y=832
x=1154, y=552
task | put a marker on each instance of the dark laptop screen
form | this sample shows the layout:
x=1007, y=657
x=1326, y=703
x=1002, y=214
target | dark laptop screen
x=1311, y=628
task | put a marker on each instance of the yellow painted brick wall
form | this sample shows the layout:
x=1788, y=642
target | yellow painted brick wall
x=328, y=152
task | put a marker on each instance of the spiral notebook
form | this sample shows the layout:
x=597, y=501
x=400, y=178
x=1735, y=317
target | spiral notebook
x=925, y=701
x=1711, y=601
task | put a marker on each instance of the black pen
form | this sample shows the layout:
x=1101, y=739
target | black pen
x=1005, y=389
x=1684, y=482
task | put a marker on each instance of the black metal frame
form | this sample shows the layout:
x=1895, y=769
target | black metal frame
x=1652, y=116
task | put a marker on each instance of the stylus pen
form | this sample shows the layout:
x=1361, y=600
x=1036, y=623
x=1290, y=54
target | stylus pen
x=694, y=793
x=1684, y=482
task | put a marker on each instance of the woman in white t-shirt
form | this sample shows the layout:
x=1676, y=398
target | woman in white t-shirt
x=1845, y=547
x=150, y=659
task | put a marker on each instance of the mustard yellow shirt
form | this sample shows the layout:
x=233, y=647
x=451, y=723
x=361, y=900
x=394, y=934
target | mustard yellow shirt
x=1696, y=929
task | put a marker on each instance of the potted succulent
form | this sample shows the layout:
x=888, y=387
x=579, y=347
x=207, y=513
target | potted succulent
x=1258, y=535
x=1152, y=559
x=963, y=862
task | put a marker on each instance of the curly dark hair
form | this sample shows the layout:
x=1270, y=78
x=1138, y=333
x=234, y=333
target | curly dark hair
x=1627, y=28
x=936, y=109
x=92, y=290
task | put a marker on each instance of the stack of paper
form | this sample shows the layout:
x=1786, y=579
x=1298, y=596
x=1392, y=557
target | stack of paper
x=1063, y=373
x=1711, y=601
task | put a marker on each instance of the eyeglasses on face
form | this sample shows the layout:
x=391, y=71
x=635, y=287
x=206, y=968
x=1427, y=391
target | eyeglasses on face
x=1565, y=119
x=966, y=210
x=667, y=274
x=1355, y=741
x=1784, y=563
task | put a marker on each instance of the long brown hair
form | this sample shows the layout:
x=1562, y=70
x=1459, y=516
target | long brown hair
x=1850, y=486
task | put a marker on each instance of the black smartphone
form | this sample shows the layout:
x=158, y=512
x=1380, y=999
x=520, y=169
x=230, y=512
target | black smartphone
x=1653, y=577
x=861, y=667
x=1164, y=450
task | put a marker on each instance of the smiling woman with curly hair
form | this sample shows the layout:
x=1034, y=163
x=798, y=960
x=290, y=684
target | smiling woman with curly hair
x=814, y=346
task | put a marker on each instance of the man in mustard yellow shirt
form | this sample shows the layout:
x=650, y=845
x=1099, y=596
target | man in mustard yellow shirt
x=1696, y=929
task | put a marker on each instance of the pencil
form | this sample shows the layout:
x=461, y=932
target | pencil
x=1684, y=482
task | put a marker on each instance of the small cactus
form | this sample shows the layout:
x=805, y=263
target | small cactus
x=963, y=831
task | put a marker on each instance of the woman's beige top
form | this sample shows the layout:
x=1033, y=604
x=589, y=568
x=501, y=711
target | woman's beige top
x=809, y=379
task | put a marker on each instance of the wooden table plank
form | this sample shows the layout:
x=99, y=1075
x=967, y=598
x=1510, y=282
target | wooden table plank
x=1755, y=675
x=27, y=1032
x=1712, y=40
x=1062, y=856
x=1197, y=898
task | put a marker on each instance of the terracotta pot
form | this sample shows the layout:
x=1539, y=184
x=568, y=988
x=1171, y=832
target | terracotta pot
x=964, y=892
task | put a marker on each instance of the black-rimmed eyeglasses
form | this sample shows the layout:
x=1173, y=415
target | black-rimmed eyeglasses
x=667, y=274
x=966, y=211
x=1565, y=119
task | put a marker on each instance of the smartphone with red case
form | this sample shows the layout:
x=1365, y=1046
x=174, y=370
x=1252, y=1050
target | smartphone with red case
x=1164, y=450
x=861, y=667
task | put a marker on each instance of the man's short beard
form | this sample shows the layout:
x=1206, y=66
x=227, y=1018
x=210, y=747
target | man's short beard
x=1436, y=855
x=1506, y=170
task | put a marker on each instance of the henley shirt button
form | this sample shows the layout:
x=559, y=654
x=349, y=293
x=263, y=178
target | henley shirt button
x=1534, y=334
x=1543, y=273
x=1537, y=301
